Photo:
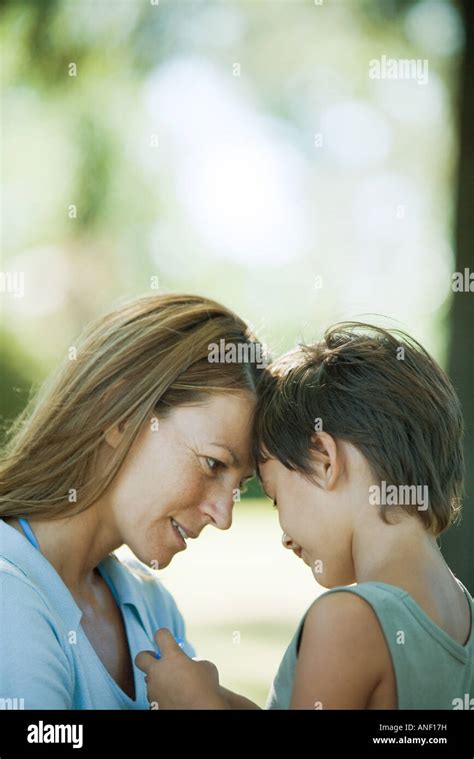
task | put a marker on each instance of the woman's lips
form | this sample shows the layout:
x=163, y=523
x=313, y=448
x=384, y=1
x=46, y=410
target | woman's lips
x=178, y=536
x=298, y=551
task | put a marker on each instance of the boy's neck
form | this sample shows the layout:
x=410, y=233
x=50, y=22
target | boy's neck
x=403, y=554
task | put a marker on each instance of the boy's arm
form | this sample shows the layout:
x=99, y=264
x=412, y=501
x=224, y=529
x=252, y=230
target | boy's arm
x=176, y=681
x=343, y=655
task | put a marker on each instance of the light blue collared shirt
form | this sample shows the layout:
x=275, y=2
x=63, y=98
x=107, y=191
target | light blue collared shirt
x=46, y=659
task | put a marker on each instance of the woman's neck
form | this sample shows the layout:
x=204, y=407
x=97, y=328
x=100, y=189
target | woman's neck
x=74, y=546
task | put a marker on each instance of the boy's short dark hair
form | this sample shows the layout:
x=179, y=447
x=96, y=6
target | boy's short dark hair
x=381, y=391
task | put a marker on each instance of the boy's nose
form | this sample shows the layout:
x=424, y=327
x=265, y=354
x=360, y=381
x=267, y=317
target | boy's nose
x=291, y=545
x=287, y=541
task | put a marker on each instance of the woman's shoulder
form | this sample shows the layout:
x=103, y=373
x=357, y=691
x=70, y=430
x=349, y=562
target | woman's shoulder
x=16, y=585
x=23, y=601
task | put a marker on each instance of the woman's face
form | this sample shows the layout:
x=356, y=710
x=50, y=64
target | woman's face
x=183, y=469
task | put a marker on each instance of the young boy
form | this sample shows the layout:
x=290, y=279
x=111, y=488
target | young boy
x=359, y=443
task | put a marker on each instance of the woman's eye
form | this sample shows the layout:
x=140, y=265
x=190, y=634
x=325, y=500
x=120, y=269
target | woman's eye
x=213, y=464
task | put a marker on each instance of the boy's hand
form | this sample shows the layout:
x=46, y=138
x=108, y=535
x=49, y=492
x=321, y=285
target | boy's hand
x=177, y=682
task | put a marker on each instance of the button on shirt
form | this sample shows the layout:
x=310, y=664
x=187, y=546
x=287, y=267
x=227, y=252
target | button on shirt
x=46, y=659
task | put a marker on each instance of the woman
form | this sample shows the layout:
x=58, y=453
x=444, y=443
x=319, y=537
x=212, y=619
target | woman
x=139, y=440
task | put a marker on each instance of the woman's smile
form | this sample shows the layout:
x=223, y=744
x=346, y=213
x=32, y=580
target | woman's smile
x=182, y=532
x=179, y=533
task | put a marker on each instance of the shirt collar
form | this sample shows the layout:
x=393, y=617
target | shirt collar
x=18, y=550
x=124, y=581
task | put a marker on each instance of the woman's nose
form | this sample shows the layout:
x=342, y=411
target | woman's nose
x=220, y=513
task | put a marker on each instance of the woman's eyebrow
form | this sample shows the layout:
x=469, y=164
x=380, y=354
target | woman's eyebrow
x=235, y=458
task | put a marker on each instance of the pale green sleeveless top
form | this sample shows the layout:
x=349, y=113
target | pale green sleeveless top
x=432, y=670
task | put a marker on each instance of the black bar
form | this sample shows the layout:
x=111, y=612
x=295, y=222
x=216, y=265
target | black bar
x=318, y=735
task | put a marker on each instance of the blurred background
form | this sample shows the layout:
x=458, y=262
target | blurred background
x=266, y=155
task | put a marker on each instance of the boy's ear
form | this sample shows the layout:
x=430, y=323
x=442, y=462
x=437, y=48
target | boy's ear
x=326, y=459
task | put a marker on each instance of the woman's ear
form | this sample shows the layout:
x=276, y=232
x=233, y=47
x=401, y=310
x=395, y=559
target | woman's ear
x=326, y=459
x=113, y=436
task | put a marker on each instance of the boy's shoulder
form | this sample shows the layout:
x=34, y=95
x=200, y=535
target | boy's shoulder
x=344, y=620
x=361, y=600
x=342, y=647
x=345, y=609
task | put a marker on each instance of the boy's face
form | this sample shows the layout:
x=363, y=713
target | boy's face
x=317, y=521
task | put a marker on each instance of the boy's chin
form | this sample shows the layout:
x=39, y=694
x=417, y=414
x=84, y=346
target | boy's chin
x=327, y=579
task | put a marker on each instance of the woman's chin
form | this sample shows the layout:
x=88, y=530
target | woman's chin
x=154, y=559
x=165, y=563
x=165, y=557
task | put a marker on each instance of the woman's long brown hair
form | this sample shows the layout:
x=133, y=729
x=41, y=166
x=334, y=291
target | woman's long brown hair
x=146, y=356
